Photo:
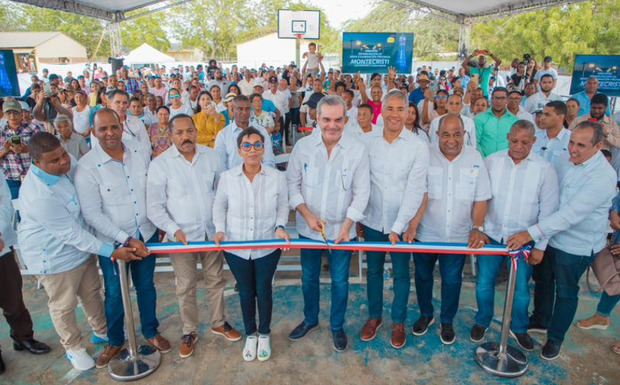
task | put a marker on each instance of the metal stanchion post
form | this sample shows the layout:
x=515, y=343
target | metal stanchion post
x=501, y=359
x=134, y=362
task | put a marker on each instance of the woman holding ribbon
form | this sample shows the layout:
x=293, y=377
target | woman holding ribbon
x=251, y=203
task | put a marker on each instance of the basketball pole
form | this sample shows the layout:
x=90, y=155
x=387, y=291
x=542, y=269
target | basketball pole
x=297, y=51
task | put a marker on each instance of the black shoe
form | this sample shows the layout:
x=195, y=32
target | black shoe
x=524, y=340
x=420, y=327
x=32, y=345
x=2, y=367
x=301, y=330
x=535, y=327
x=551, y=350
x=477, y=333
x=447, y=334
x=340, y=340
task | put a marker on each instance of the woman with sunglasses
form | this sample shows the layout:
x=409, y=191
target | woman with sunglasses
x=251, y=203
x=176, y=104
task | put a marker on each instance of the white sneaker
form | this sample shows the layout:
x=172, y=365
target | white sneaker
x=264, y=347
x=80, y=359
x=249, y=351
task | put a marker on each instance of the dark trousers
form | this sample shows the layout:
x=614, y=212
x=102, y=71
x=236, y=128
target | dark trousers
x=568, y=269
x=11, y=299
x=451, y=269
x=142, y=276
x=544, y=290
x=254, y=278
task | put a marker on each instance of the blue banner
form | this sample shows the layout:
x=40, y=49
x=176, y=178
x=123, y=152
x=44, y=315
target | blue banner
x=606, y=68
x=369, y=52
x=9, y=85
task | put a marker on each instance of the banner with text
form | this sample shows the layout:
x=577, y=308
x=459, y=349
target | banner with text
x=9, y=85
x=606, y=68
x=369, y=52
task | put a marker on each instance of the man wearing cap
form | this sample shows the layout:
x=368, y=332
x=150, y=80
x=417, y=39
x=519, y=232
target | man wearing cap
x=278, y=98
x=226, y=140
x=417, y=95
x=482, y=71
x=310, y=104
x=14, y=137
x=547, y=69
x=541, y=98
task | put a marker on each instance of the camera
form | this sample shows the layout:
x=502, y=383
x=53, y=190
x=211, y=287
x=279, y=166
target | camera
x=16, y=139
x=527, y=57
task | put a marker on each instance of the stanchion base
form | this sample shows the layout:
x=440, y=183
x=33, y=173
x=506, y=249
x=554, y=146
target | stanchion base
x=127, y=368
x=513, y=364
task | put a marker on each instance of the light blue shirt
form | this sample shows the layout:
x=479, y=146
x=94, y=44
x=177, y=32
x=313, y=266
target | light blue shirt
x=579, y=227
x=554, y=150
x=8, y=235
x=52, y=235
x=584, y=104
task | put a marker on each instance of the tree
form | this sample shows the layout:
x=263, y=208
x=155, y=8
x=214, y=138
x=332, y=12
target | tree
x=560, y=32
x=146, y=29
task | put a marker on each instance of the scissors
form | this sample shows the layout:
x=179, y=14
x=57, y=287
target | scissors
x=324, y=235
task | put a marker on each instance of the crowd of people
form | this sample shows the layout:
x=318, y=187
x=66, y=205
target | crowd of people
x=103, y=164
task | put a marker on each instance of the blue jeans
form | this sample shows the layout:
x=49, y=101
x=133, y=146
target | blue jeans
x=14, y=186
x=374, y=288
x=254, y=278
x=339, y=263
x=607, y=304
x=451, y=269
x=142, y=277
x=488, y=268
x=568, y=269
x=544, y=291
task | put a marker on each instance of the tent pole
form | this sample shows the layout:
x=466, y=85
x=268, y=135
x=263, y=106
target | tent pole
x=465, y=24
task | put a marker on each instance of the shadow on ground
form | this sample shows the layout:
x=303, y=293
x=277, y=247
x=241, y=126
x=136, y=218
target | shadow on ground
x=586, y=356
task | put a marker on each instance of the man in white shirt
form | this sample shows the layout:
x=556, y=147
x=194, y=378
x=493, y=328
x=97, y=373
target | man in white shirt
x=111, y=185
x=525, y=190
x=180, y=190
x=246, y=85
x=458, y=191
x=398, y=166
x=455, y=106
x=547, y=69
x=348, y=96
x=226, y=140
x=515, y=98
x=134, y=131
x=542, y=97
x=363, y=123
x=54, y=241
x=577, y=232
x=329, y=184
x=552, y=139
x=11, y=298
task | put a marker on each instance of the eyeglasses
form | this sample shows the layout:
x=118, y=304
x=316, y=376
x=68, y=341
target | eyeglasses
x=441, y=97
x=247, y=146
x=177, y=96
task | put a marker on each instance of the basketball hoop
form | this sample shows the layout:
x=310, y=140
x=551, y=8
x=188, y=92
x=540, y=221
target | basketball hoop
x=299, y=36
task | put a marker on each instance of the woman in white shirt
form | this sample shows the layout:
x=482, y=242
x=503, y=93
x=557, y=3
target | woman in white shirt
x=81, y=114
x=251, y=203
x=176, y=104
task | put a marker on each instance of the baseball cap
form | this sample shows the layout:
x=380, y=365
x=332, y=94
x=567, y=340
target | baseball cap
x=273, y=79
x=53, y=77
x=314, y=99
x=229, y=97
x=11, y=105
x=423, y=77
x=548, y=59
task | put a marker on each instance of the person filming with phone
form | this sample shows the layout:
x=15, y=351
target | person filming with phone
x=482, y=71
x=14, y=137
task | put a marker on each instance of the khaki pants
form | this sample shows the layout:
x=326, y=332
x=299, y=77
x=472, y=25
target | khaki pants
x=63, y=290
x=186, y=271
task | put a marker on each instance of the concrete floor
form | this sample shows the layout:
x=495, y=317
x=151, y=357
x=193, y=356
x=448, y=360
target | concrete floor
x=586, y=356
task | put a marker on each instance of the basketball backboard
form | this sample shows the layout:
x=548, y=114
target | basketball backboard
x=293, y=23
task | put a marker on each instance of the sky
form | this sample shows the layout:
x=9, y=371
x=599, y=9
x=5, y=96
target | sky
x=339, y=11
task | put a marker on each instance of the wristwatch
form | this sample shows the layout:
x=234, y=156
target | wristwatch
x=479, y=228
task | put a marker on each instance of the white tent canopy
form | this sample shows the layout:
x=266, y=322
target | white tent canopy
x=145, y=54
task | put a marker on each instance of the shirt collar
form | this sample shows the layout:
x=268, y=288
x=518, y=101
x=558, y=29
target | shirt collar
x=48, y=179
x=238, y=170
x=592, y=161
x=343, y=142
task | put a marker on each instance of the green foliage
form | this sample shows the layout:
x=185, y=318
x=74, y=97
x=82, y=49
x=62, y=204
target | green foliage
x=432, y=34
x=561, y=32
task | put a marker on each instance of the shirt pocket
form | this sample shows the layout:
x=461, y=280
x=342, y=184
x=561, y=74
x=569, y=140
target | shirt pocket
x=466, y=187
x=209, y=181
x=435, y=182
x=73, y=206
